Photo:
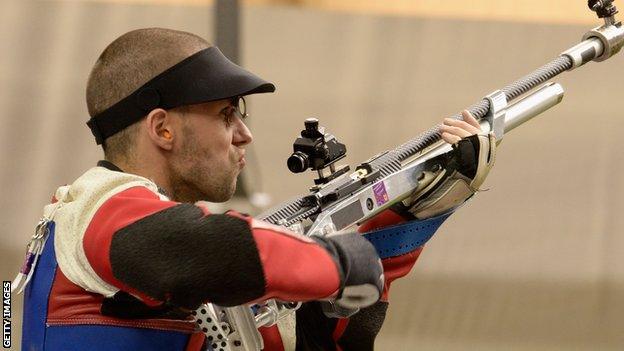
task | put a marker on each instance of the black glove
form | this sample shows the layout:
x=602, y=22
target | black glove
x=360, y=270
x=469, y=163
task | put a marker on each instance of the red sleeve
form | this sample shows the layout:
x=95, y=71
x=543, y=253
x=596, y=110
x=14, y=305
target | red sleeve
x=295, y=267
x=119, y=211
x=292, y=267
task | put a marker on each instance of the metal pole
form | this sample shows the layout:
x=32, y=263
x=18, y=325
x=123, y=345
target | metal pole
x=227, y=28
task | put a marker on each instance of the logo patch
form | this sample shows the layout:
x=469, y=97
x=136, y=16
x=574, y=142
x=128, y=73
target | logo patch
x=381, y=195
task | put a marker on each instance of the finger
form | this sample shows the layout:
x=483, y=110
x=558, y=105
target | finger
x=455, y=131
x=468, y=117
x=461, y=124
x=450, y=138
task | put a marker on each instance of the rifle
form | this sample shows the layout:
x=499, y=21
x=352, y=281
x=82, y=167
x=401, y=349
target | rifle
x=341, y=199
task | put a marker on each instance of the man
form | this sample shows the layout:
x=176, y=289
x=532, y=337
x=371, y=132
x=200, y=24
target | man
x=131, y=251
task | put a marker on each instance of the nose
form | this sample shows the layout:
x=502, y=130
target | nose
x=242, y=135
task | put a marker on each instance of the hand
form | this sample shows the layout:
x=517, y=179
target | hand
x=453, y=130
x=361, y=270
x=468, y=165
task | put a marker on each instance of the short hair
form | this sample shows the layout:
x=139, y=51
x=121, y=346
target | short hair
x=125, y=65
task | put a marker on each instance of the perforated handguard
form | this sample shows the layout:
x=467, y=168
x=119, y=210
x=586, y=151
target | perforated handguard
x=236, y=328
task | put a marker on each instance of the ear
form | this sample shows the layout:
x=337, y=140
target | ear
x=160, y=128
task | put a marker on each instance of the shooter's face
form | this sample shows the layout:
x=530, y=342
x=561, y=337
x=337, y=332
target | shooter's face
x=210, y=154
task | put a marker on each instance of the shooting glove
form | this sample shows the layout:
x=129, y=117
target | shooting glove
x=361, y=272
x=468, y=165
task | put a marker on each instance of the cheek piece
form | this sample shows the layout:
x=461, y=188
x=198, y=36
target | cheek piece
x=203, y=77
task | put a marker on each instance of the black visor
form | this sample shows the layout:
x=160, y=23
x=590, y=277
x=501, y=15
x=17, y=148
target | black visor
x=205, y=76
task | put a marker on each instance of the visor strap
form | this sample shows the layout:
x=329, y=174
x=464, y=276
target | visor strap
x=202, y=77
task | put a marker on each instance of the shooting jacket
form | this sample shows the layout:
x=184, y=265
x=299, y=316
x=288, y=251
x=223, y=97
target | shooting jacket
x=124, y=266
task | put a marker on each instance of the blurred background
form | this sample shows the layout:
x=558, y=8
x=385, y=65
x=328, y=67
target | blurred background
x=532, y=264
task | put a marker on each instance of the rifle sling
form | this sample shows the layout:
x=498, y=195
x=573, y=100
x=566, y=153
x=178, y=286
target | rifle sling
x=403, y=238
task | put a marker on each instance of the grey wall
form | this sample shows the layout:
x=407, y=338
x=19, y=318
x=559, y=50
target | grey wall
x=531, y=264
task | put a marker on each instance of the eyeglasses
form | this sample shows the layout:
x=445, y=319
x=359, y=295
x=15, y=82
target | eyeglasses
x=240, y=106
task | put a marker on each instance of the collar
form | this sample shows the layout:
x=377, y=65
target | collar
x=109, y=165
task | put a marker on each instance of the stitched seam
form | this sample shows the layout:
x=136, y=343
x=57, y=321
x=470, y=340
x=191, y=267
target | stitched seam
x=161, y=325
